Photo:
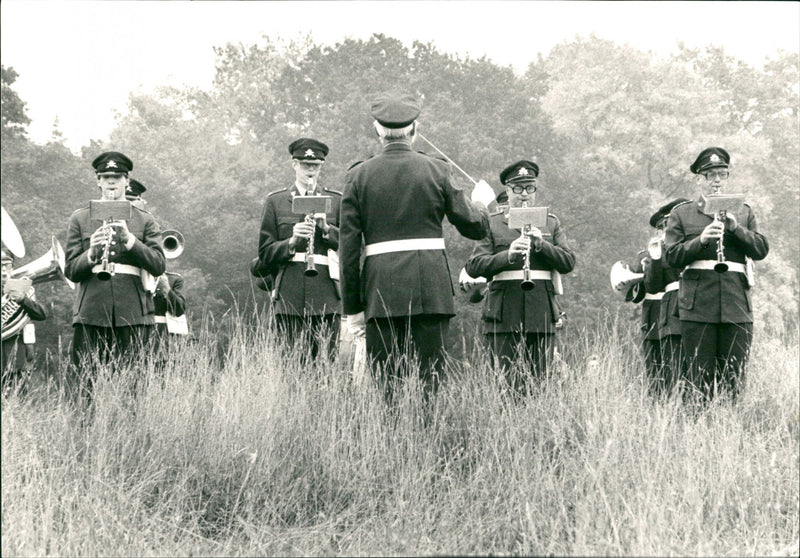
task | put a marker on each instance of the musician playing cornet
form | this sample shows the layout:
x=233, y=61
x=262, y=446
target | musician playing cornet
x=16, y=348
x=520, y=319
x=661, y=330
x=112, y=314
x=714, y=306
x=306, y=307
x=168, y=299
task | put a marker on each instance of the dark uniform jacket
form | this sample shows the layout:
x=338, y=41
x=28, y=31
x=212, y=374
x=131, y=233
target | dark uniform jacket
x=295, y=293
x=122, y=300
x=401, y=194
x=705, y=295
x=174, y=302
x=508, y=308
x=637, y=293
x=657, y=275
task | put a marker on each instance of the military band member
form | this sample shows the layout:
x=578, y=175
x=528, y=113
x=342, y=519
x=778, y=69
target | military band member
x=168, y=293
x=715, y=309
x=18, y=349
x=517, y=322
x=133, y=193
x=112, y=317
x=305, y=308
x=662, y=331
x=395, y=203
x=168, y=299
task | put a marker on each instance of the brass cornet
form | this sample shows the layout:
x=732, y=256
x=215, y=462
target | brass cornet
x=172, y=243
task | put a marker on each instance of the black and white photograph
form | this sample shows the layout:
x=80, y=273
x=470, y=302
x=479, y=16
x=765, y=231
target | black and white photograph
x=400, y=278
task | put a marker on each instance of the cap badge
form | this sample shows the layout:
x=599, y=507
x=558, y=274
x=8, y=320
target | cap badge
x=714, y=158
x=309, y=152
x=111, y=164
x=523, y=172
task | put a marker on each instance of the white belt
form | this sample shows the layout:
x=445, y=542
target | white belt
x=404, y=245
x=120, y=268
x=318, y=258
x=709, y=264
x=519, y=275
x=161, y=319
x=669, y=288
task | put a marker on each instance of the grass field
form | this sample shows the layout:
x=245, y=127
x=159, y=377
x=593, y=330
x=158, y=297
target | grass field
x=257, y=456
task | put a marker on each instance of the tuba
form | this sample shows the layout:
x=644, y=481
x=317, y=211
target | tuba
x=172, y=243
x=48, y=267
x=622, y=278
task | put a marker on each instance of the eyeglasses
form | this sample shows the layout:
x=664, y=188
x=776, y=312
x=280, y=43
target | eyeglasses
x=529, y=187
x=713, y=175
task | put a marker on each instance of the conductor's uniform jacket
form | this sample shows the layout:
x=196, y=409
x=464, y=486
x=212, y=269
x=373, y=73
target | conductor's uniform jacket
x=122, y=300
x=295, y=293
x=509, y=309
x=705, y=295
x=402, y=195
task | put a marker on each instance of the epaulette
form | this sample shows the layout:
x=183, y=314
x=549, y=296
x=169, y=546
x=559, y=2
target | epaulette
x=277, y=192
x=498, y=211
x=436, y=156
x=682, y=203
x=354, y=165
x=173, y=273
x=555, y=218
x=80, y=209
x=140, y=209
x=337, y=192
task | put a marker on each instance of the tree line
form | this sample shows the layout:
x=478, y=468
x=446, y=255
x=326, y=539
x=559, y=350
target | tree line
x=613, y=130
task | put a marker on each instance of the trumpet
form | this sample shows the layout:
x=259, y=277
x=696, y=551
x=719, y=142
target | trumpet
x=172, y=243
x=527, y=282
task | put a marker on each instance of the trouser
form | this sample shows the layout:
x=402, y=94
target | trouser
x=314, y=333
x=536, y=349
x=392, y=341
x=17, y=359
x=664, y=363
x=716, y=356
x=104, y=346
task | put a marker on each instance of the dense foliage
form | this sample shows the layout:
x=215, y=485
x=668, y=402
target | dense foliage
x=613, y=130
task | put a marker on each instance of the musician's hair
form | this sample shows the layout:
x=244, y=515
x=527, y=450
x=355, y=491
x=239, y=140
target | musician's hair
x=395, y=133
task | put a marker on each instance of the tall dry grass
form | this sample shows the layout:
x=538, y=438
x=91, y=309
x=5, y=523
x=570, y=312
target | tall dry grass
x=253, y=455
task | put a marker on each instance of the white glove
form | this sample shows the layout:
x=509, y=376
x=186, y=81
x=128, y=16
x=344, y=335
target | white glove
x=482, y=193
x=465, y=280
x=357, y=325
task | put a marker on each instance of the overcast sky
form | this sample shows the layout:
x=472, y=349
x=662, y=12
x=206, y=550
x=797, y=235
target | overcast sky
x=79, y=60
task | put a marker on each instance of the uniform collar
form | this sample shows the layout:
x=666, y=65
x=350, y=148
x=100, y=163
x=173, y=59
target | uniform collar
x=296, y=191
x=396, y=146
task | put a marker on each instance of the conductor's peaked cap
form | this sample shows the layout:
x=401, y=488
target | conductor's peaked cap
x=710, y=158
x=395, y=110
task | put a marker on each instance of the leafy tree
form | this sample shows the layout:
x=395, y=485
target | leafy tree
x=14, y=118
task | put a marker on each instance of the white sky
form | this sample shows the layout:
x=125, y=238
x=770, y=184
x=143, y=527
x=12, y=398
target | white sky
x=79, y=60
